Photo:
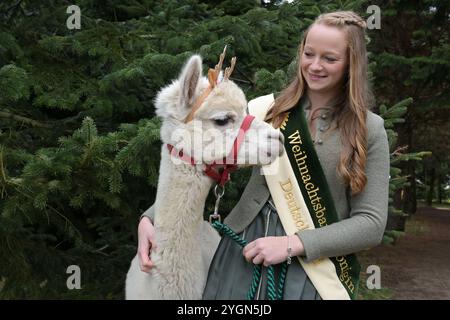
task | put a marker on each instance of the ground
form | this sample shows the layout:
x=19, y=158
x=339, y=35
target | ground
x=417, y=267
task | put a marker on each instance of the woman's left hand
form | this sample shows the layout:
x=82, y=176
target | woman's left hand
x=272, y=250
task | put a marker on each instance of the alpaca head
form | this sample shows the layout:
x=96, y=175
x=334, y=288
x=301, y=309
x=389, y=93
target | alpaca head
x=204, y=120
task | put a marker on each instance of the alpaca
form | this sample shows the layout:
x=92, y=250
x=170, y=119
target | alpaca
x=213, y=110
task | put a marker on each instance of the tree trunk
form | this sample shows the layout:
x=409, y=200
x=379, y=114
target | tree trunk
x=398, y=198
x=439, y=186
x=425, y=175
x=410, y=197
x=430, y=193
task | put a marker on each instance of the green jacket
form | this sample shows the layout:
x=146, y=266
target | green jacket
x=362, y=217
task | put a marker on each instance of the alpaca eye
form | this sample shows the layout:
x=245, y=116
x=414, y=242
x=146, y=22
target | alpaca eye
x=221, y=122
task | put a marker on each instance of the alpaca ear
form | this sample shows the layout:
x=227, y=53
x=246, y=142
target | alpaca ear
x=189, y=80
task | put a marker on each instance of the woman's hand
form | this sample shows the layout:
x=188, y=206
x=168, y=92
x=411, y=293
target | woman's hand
x=272, y=250
x=146, y=242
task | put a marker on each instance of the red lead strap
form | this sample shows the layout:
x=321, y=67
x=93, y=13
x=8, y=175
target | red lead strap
x=211, y=169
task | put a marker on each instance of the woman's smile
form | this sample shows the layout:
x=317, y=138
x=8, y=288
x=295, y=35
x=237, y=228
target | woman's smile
x=315, y=77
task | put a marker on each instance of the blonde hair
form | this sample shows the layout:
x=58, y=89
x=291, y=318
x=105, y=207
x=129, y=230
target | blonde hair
x=350, y=107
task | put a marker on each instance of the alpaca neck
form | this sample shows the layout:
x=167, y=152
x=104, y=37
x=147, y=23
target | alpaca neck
x=181, y=196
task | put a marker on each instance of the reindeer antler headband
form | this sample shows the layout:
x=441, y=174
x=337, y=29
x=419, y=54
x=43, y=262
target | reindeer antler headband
x=214, y=78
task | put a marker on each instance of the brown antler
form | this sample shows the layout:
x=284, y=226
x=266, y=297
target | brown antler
x=213, y=76
x=230, y=69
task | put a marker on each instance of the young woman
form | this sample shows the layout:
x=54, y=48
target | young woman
x=336, y=169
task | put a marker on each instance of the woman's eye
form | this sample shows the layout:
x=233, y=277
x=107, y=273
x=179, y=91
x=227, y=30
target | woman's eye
x=308, y=54
x=221, y=122
x=330, y=59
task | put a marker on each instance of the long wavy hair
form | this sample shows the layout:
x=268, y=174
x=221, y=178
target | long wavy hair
x=350, y=106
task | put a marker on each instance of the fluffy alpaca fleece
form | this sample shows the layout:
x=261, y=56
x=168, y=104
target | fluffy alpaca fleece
x=185, y=242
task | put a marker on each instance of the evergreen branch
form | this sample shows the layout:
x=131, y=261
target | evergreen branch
x=245, y=76
x=150, y=36
x=3, y=175
x=400, y=150
x=59, y=243
x=34, y=123
x=240, y=80
x=99, y=250
x=67, y=220
x=401, y=178
x=14, y=10
x=13, y=6
x=65, y=121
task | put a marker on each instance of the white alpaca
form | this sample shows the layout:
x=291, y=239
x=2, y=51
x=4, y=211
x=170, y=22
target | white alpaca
x=198, y=126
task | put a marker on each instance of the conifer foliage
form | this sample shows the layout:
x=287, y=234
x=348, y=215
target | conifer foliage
x=79, y=141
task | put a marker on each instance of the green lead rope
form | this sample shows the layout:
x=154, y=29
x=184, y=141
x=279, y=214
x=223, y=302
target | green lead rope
x=273, y=292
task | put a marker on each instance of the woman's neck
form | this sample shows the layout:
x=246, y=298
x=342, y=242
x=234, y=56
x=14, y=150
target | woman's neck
x=318, y=99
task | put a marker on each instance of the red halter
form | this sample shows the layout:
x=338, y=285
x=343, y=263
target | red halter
x=211, y=170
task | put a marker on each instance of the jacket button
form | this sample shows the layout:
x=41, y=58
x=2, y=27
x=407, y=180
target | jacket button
x=319, y=141
x=322, y=129
x=324, y=116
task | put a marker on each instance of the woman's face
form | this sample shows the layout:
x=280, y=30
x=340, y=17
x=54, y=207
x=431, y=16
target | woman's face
x=324, y=58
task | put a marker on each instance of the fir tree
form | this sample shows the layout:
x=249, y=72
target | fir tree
x=416, y=63
x=79, y=141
